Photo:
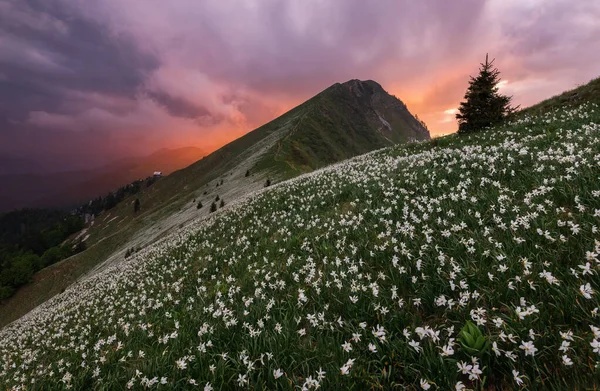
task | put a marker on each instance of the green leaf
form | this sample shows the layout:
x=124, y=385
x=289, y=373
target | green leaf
x=479, y=342
x=468, y=339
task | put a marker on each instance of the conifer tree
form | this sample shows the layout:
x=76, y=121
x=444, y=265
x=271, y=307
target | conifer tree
x=483, y=106
x=213, y=207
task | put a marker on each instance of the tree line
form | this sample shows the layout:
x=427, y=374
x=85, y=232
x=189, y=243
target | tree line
x=31, y=239
x=110, y=200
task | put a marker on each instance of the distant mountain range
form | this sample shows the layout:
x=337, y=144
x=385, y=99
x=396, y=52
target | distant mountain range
x=29, y=186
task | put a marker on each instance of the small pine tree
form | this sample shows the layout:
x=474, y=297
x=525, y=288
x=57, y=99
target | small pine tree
x=483, y=106
x=247, y=173
x=222, y=204
x=213, y=207
x=136, y=205
x=199, y=205
x=268, y=183
x=217, y=198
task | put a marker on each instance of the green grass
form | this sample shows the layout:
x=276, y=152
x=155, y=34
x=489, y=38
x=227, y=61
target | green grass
x=402, y=246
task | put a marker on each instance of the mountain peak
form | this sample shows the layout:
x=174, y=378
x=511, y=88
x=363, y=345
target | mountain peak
x=362, y=83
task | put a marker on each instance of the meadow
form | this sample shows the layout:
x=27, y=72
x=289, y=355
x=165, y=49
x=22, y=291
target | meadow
x=464, y=262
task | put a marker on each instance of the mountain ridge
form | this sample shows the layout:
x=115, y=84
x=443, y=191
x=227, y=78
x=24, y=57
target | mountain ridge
x=342, y=121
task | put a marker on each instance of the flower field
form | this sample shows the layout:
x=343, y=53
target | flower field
x=459, y=263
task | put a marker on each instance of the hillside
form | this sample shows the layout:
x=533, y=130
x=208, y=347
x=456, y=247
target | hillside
x=461, y=262
x=69, y=189
x=342, y=121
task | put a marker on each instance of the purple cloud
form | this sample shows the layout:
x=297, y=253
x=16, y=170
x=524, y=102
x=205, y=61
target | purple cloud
x=203, y=72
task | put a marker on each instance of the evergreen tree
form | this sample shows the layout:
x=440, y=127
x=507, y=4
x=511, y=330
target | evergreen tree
x=213, y=207
x=136, y=205
x=268, y=183
x=483, y=106
x=247, y=173
x=222, y=204
x=199, y=205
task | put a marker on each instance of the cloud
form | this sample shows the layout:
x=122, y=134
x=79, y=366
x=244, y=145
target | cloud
x=204, y=72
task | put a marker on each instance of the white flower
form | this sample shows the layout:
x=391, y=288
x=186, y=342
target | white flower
x=346, y=367
x=242, y=380
x=459, y=386
x=464, y=367
x=415, y=345
x=586, y=269
x=277, y=373
x=379, y=333
x=566, y=360
x=321, y=374
x=372, y=348
x=586, y=290
x=181, y=363
x=347, y=346
x=596, y=345
x=495, y=349
x=447, y=350
x=475, y=372
x=425, y=384
x=66, y=378
x=498, y=322
x=517, y=377
x=529, y=348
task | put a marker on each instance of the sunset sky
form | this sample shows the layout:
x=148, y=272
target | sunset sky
x=85, y=82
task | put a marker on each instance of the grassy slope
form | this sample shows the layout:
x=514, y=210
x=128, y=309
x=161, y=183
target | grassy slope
x=587, y=93
x=327, y=128
x=400, y=232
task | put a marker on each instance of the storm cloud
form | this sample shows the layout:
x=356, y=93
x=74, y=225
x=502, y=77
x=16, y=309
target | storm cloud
x=84, y=82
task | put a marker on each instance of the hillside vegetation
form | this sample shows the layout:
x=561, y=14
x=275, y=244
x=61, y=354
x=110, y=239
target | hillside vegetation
x=32, y=239
x=459, y=263
x=344, y=120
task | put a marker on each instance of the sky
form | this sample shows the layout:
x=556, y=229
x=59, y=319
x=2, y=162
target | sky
x=86, y=82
